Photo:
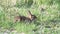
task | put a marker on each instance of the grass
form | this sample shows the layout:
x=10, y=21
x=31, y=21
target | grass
x=47, y=22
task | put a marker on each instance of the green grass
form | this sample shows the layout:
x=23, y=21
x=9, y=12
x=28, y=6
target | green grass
x=47, y=22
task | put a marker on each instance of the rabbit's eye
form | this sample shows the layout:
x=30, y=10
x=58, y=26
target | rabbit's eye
x=32, y=16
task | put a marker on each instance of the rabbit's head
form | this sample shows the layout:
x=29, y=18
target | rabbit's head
x=32, y=17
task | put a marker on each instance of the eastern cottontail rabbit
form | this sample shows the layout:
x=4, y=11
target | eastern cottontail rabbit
x=23, y=18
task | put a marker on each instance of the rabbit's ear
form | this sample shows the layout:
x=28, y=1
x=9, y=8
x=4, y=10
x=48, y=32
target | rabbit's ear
x=29, y=13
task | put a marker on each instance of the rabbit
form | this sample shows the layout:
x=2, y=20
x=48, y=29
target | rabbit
x=30, y=17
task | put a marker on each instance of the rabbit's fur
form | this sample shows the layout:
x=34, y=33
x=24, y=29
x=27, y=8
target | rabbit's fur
x=32, y=17
x=23, y=18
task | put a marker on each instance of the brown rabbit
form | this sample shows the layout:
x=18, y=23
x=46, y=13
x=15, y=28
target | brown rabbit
x=23, y=18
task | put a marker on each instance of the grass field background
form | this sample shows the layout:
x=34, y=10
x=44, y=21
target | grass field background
x=47, y=22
